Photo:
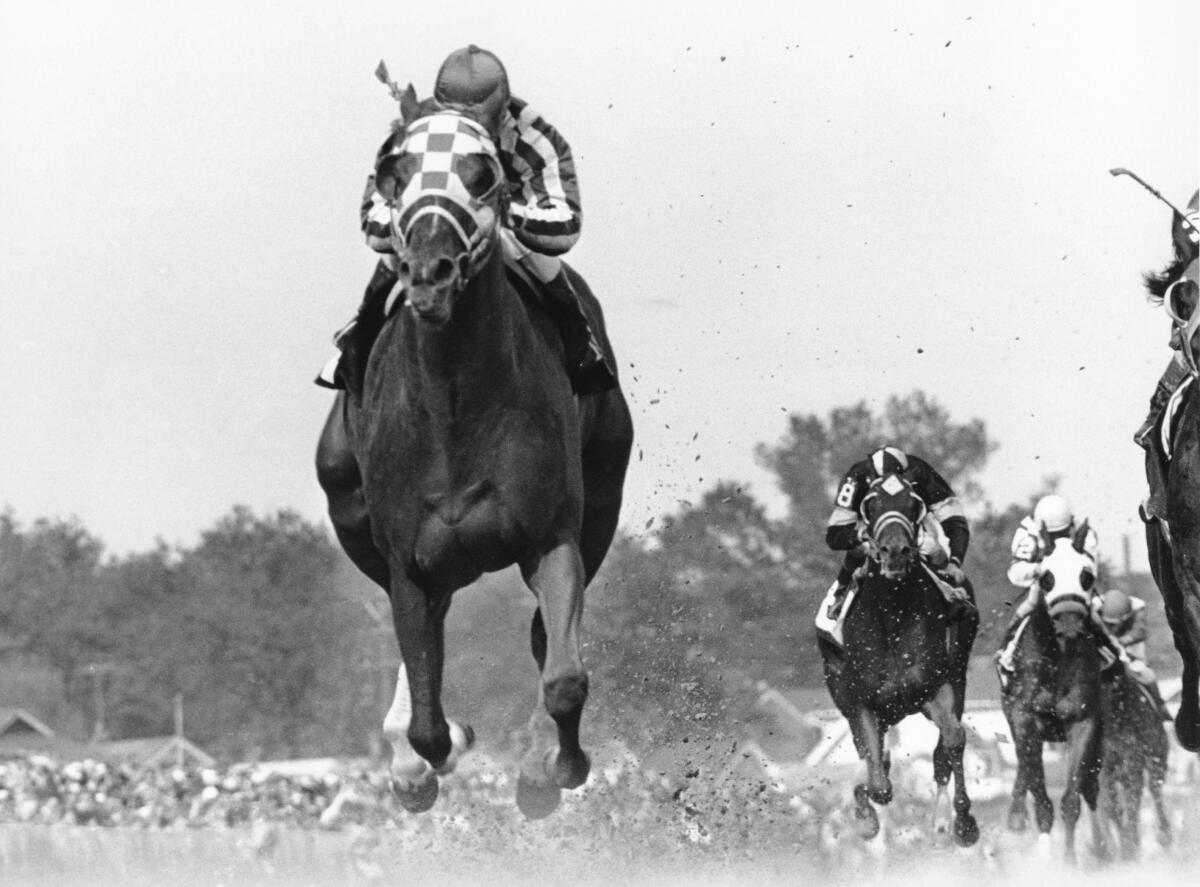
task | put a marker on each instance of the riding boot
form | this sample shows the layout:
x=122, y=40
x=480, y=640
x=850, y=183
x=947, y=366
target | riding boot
x=354, y=340
x=587, y=365
x=845, y=579
x=1005, y=654
x=1172, y=376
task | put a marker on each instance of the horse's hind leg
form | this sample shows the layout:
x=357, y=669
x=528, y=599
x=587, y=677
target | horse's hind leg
x=341, y=480
x=1156, y=779
x=948, y=759
x=548, y=766
x=605, y=458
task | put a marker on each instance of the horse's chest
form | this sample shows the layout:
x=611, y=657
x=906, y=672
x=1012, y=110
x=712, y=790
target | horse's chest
x=478, y=494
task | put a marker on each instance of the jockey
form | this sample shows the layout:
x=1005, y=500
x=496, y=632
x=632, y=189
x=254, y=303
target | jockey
x=542, y=222
x=1185, y=238
x=1052, y=519
x=844, y=530
x=1124, y=618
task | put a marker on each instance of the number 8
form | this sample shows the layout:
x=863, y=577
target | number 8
x=845, y=495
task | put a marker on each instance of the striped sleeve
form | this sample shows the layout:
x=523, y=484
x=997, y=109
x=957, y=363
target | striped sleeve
x=544, y=210
x=376, y=219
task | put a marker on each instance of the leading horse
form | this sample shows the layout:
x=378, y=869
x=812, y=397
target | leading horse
x=468, y=452
x=1053, y=694
x=902, y=655
x=1173, y=538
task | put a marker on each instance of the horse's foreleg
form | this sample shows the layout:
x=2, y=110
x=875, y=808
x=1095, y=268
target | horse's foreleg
x=871, y=733
x=1083, y=765
x=943, y=710
x=1031, y=778
x=423, y=742
x=1175, y=568
x=557, y=582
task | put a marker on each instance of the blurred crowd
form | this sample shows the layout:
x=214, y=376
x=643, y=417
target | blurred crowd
x=38, y=789
x=476, y=807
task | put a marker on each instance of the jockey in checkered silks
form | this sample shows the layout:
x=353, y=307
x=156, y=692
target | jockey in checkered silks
x=845, y=529
x=543, y=220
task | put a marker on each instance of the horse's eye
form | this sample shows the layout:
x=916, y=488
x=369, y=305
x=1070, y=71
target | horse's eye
x=1047, y=581
x=477, y=175
x=1086, y=580
x=393, y=174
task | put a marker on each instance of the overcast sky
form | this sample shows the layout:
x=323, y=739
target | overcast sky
x=784, y=211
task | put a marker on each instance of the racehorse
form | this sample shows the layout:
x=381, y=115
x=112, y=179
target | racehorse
x=1053, y=694
x=1134, y=756
x=1173, y=545
x=468, y=452
x=901, y=655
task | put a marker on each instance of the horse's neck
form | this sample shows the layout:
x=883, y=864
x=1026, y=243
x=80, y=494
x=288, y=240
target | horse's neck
x=472, y=355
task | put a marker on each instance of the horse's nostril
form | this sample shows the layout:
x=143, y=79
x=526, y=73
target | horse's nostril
x=443, y=270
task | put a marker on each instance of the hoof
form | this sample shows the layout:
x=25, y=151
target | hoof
x=568, y=773
x=1187, y=729
x=417, y=797
x=866, y=822
x=966, y=830
x=881, y=795
x=536, y=801
x=1018, y=821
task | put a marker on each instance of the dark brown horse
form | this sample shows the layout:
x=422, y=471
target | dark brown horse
x=467, y=453
x=900, y=656
x=1053, y=694
x=1134, y=758
x=1173, y=538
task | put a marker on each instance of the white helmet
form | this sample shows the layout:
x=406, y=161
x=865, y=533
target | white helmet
x=1054, y=513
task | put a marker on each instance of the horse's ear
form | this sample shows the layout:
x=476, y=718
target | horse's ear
x=409, y=104
x=1079, y=539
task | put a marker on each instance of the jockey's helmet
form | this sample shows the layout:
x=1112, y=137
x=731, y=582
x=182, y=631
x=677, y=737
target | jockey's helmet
x=1054, y=513
x=1185, y=230
x=476, y=78
x=1115, y=606
x=888, y=460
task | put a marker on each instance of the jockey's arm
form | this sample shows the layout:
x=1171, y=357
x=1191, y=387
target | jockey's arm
x=544, y=210
x=841, y=533
x=1137, y=631
x=375, y=217
x=949, y=514
x=1026, y=551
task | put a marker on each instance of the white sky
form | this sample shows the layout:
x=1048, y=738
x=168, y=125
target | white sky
x=785, y=211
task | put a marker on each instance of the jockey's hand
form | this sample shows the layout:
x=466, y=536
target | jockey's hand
x=954, y=572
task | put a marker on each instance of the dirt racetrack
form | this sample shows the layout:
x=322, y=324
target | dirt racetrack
x=597, y=838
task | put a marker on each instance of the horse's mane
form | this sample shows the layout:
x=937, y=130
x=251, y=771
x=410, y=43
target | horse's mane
x=1157, y=283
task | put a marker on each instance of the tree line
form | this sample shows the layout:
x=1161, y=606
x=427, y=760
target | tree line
x=279, y=648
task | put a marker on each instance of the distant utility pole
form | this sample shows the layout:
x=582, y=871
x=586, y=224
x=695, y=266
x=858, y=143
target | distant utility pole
x=1126, y=558
x=179, y=755
x=99, y=673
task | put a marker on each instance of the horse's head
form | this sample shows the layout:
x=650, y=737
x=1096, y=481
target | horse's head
x=1066, y=581
x=893, y=511
x=444, y=183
